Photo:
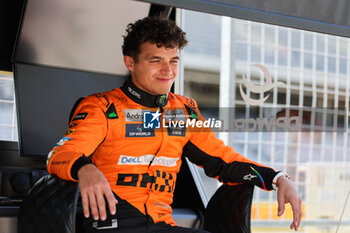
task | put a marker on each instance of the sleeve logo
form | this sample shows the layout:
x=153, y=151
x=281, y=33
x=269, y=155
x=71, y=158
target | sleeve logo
x=79, y=116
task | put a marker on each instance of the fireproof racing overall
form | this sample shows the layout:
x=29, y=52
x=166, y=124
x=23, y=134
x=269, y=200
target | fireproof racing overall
x=141, y=161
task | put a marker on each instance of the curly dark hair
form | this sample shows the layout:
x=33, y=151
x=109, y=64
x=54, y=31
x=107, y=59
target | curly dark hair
x=157, y=30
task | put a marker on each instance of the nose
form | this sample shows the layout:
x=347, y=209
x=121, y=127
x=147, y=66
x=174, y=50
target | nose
x=166, y=68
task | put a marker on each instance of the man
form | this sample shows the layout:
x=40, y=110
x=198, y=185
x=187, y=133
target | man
x=131, y=169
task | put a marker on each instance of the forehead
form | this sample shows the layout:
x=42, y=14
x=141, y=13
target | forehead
x=150, y=49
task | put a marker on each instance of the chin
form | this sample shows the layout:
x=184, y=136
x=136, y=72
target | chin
x=162, y=91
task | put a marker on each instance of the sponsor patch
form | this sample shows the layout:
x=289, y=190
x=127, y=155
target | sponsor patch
x=260, y=177
x=69, y=132
x=181, y=132
x=134, y=93
x=146, y=159
x=249, y=177
x=137, y=130
x=111, y=112
x=161, y=181
x=133, y=115
x=62, y=141
x=60, y=162
x=79, y=116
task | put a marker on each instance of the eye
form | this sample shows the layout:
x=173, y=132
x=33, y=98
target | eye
x=154, y=61
x=175, y=61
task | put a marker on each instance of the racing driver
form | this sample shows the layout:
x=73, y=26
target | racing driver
x=127, y=170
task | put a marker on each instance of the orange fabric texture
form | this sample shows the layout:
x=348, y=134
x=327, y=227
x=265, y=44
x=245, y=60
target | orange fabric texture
x=122, y=149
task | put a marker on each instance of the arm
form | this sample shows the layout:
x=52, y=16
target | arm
x=238, y=169
x=221, y=161
x=68, y=160
x=228, y=166
x=87, y=129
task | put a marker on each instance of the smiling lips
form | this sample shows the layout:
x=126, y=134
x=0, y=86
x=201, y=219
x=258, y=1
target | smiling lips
x=164, y=79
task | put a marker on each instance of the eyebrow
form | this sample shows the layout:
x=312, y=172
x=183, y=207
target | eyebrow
x=157, y=57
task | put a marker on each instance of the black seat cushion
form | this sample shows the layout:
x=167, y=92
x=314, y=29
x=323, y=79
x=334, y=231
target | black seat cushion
x=50, y=206
x=229, y=210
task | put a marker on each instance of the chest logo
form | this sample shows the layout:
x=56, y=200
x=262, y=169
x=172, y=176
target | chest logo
x=137, y=130
x=146, y=159
x=133, y=115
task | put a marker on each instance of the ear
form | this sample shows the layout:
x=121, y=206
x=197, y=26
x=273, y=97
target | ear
x=129, y=63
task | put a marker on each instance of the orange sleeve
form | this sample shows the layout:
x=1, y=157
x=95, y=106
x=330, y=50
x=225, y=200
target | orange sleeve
x=87, y=130
x=223, y=162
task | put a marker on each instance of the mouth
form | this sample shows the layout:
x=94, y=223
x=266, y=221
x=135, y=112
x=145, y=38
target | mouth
x=164, y=79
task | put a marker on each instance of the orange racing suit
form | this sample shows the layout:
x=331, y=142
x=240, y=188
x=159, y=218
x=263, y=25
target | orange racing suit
x=141, y=163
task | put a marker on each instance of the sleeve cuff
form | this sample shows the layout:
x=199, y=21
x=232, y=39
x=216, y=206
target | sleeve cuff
x=274, y=181
x=79, y=163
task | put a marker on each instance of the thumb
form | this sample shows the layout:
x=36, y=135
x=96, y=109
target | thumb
x=280, y=200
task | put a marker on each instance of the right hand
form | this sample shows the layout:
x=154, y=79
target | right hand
x=94, y=187
x=287, y=194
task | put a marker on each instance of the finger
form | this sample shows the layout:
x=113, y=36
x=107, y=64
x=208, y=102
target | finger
x=111, y=202
x=101, y=203
x=93, y=206
x=295, y=217
x=300, y=212
x=296, y=207
x=280, y=200
x=292, y=226
x=85, y=202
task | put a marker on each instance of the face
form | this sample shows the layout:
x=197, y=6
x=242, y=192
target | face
x=156, y=68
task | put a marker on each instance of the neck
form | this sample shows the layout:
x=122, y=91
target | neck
x=142, y=97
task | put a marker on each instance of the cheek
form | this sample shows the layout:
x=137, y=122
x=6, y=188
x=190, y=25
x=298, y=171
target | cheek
x=145, y=73
x=175, y=69
x=150, y=70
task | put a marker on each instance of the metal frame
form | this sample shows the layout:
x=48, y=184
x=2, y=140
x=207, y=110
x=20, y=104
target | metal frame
x=256, y=15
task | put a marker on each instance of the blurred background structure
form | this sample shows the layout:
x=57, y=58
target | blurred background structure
x=316, y=70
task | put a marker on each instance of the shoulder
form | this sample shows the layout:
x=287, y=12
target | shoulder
x=105, y=99
x=190, y=102
x=102, y=100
